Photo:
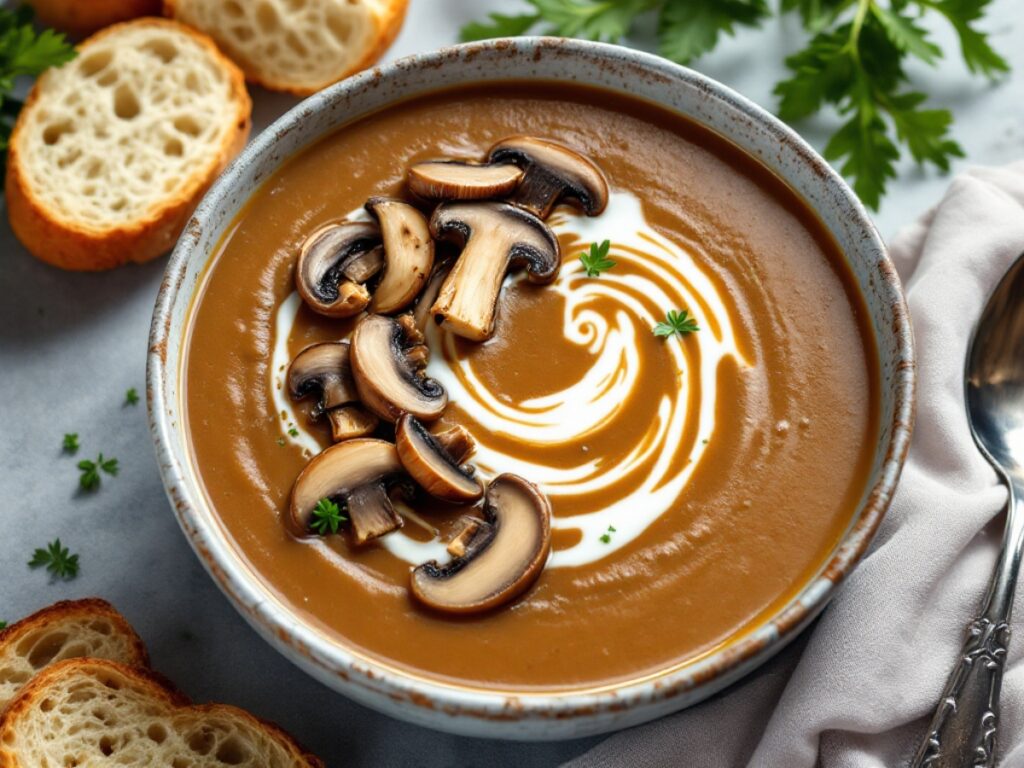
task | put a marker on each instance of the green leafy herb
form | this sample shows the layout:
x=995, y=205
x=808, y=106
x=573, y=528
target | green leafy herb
x=293, y=431
x=70, y=444
x=90, y=477
x=3, y=625
x=606, y=537
x=854, y=61
x=326, y=517
x=597, y=260
x=23, y=51
x=57, y=559
x=131, y=397
x=676, y=323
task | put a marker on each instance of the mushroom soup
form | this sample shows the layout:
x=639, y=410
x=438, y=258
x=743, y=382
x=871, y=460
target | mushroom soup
x=530, y=388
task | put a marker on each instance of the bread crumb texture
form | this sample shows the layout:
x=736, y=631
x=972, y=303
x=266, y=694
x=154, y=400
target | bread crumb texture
x=93, y=713
x=296, y=45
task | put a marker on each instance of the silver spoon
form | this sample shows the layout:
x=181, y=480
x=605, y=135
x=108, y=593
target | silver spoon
x=962, y=733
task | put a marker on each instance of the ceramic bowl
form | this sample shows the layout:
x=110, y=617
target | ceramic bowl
x=525, y=715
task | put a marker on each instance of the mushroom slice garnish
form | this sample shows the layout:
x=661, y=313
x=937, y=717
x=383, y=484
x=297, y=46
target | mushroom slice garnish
x=388, y=382
x=421, y=312
x=460, y=180
x=408, y=253
x=324, y=259
x=356, y=474
x=552, y=173
x=459, y=542
x=428, y=463
x=501, y=559
x=458, y=442
x=494, y=237
x=323, y=369
x=351, y=421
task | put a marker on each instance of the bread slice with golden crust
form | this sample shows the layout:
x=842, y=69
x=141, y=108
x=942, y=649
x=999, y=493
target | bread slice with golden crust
x=83, y=17
x=113, y=150
x=66, y=630
x=298, y=46
x=93, y=712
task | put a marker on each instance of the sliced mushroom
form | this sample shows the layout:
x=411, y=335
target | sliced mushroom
x=493, y=237
x=502, y=558
x=326, y=262
x=459, y=180
x=431, y=466
x=388, y=382
x=351, y=421
x=421, y=312
x=457, y=441
x=356, y=474
x=408, y=253
x=323, y=369
x=552, y=173
x=460, y=541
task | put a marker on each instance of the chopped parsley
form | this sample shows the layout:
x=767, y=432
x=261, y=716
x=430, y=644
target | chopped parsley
x=131, y=397
x=606, y=537
x=327, y=517
x=293, y=431
x=676, y=323
x=90, y=477
x=58, y=560
x=597, y=260
x=70, y=444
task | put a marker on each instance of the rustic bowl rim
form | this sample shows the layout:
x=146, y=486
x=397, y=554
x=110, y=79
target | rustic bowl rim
x=458, y=708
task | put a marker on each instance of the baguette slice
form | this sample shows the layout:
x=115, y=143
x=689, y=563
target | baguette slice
x=66, y=630
x=298, y=46
x=113, y=150
x=92, y=712
x=83, y=17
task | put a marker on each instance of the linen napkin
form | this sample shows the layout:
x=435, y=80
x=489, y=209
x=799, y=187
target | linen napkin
x=858, y=690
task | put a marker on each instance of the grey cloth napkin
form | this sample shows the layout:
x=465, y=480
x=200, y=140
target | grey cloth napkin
x=858, y=689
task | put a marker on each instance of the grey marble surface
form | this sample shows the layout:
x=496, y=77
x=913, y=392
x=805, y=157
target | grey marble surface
x=71, y=344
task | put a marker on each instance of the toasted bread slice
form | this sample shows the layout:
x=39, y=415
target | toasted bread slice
x=113, y=150
x=66, y=630
x=93, y=712
x=83, y=17
x=299, y=47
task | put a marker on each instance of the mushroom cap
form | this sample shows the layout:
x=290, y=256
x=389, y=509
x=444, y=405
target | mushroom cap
x=553, y=173
x=388, y=384
x=431, y=465
x=324, y=369
x=323, y=259
x=337, y=472
x=408, y=253
x=462, y=180
x=502, y=559
x=493, y=236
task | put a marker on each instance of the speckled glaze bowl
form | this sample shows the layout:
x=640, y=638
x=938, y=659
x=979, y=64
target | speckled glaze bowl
x=525, y=715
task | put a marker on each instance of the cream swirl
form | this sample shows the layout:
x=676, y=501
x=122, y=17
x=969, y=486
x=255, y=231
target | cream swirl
x=666, y=277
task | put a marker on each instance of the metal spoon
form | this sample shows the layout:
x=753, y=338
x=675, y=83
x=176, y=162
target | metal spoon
x=963, y=730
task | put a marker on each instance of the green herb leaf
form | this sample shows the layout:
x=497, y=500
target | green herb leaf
x=326, y=517
x=499, y=25
x=906, y=34
x=606, y=537
x=293, y=431
x=597, y=260
x=677, y=323
x=690, y=28
x=57, y=559
x=70, y=444
x=131, y=397
x=3, y=625
x=90, y=477
x=978, y=54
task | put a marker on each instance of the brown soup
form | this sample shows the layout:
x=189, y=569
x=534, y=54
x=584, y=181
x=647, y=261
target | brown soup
x=697, y=481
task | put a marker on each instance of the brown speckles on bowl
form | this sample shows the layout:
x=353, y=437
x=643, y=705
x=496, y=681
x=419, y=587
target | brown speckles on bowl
x=515, y=714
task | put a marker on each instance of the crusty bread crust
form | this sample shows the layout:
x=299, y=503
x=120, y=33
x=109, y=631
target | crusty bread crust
x=139, y=680
x=83, y=17
x=389, y=15
x=76, y=245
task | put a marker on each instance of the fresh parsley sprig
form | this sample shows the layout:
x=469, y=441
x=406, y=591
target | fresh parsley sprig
x=596, y=261
x=327, y=517
x=70, y=444
x=676, y=323
x=131, y=397
x=854, y=61
x=606, y=537
x=90, y=477
x=58, y=560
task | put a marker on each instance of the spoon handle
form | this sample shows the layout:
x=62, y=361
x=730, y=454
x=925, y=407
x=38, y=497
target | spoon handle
x=962, y=733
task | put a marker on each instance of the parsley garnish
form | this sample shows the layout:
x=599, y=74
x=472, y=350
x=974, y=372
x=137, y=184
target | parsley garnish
x=57, y=559
x=70, y=443
x=23, y=51
x=606, y=537
x=90, y=478
x=676, y=323
x=293, y=431
x=597, y=260
x=3, y=625
x=131, y=397
x=326, y=517
x=854, y=62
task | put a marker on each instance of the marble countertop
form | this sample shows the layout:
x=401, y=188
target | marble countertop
x=71, y=344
